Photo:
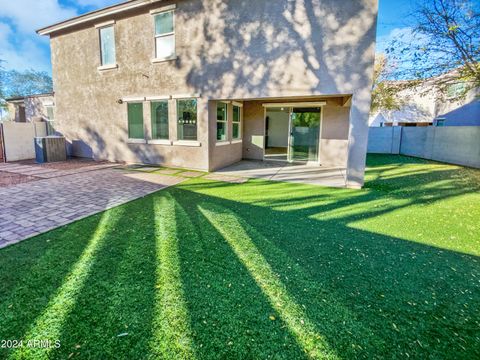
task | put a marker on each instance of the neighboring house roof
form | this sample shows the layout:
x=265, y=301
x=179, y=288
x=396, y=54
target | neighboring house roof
x=424, y=105
x=21, y=98
x=423, y=101
x=94, y=15
x=15, y=99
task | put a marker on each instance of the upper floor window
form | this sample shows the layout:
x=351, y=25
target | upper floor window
x=187, y=119
x=221, y=121
x=164, y=35
x=107, y=45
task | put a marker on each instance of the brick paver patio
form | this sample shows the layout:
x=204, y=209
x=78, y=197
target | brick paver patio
x=47, y=173
x=31, y=208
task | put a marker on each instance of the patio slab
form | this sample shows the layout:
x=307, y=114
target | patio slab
x=28, y=209
x=167, y=171
x=191, y=174
x=282, y=171
x=226, y=178
x=146, y=168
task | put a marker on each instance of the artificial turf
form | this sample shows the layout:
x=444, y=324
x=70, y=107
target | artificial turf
x=259, y=270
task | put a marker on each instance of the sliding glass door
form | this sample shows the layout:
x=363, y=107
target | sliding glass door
x=304, y=134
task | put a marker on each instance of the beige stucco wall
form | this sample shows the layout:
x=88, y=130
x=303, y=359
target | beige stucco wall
x=12, y=112
x=227, y=49
x=334, y=134
x=222, y=153
x=35, y=107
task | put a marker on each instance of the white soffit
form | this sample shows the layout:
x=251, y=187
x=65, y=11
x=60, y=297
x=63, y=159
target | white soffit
x=94, y=15
x=296, y=104
x=133, y=99
x=163, y=9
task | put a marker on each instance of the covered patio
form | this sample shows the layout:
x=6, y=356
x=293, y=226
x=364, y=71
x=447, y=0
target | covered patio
x=289, y=172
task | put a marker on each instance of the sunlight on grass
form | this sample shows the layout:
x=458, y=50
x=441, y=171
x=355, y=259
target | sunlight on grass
x=260, y=270
x=48, y=326
x=172, y=335
x=290, y=312
x=452, y=226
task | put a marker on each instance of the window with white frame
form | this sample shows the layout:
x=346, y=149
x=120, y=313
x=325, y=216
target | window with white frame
x=456, y=90
x=221, y=121
x=135, y=120
x=164, y=35
x=159, y=115
x=107, y=45
x=50, y=120
x=187, y=119
x=237, y=122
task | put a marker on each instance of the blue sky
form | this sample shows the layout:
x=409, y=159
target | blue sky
x=22, y=48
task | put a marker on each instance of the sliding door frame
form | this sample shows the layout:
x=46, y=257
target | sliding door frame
x=291, y=106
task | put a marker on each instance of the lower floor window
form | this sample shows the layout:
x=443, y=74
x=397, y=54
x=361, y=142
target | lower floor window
x=135, y=121
x=187, y=119
x=221, y=121
x=237, y=123
x=159, y=112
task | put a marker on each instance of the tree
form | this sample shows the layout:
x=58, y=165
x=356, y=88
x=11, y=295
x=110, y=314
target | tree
x=28, y=82
x=384, y=91
x=447, y=34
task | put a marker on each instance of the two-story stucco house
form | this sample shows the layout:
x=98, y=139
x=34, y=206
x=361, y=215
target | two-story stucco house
x=204, y=83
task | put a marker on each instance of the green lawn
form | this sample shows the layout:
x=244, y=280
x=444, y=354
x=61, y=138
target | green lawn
x=260, y=270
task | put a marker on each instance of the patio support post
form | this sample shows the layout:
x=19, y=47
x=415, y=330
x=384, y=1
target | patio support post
x=358, y=138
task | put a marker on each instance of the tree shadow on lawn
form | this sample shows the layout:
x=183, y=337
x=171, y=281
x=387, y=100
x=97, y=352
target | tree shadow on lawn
x=31, y=272
x=374, y=200
x=106, y=289
x=120, y=283
x=230, y=315
x=367, y=294
x=113, y=313
x=247, y=271
x=135, y=282
x=399, y=172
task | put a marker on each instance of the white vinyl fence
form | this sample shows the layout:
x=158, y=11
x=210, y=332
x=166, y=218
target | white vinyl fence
x=452, y=144
x=18, y=139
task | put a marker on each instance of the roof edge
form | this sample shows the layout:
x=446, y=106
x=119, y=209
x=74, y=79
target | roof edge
x=94, y=15
x=17, y=98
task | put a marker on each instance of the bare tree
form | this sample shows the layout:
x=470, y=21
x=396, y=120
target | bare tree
x=384, y=91
x=28, y=82
x=448, y=48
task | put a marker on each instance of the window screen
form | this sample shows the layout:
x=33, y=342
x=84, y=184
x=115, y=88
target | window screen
x=135, y=121
x=187, y=119
x=159, y=111
x=164, y=35
x=221, y=121
x=107, y=45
